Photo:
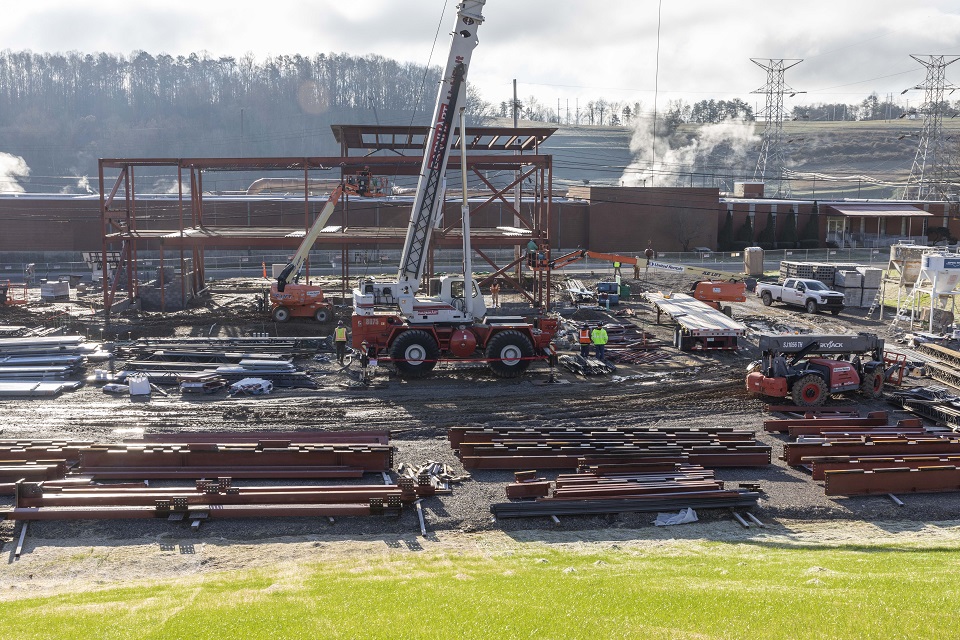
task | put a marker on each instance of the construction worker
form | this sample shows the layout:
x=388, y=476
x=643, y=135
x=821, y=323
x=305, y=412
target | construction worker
x=599, y=339
x=636, y=268
x=364, y=361
x=340, y=341
x=495, y=295
x=616, y=269
x=585, y=340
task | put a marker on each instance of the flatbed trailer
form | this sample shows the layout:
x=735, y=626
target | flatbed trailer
x=699, y=327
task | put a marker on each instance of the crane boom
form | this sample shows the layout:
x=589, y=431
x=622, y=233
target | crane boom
x=292, y=270
x=451, y=96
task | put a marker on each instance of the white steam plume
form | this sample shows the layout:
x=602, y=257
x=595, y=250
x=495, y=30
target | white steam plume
x=725, y=145
x=82, y=186
x=12, y=168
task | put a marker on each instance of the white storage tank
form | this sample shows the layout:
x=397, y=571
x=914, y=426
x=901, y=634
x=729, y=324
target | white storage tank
x=942, y=270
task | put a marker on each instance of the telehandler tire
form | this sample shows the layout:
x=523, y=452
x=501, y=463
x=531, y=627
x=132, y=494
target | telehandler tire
x=809, y=391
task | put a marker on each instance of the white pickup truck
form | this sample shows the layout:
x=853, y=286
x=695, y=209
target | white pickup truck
x=812, y=295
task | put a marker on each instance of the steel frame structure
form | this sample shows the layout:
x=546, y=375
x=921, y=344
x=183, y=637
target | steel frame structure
x=382, y=148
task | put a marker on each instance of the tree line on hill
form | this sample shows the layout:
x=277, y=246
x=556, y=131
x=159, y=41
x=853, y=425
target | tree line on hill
x=63, y=111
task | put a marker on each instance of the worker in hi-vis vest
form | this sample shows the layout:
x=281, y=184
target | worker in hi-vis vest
x=585, y=341
x=599, y=337
x=340, y=341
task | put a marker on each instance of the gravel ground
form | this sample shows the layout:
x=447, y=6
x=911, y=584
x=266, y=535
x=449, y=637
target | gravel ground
x=687, y=389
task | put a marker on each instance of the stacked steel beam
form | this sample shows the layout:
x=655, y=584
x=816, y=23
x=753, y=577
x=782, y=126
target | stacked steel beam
x=551, y=448
x=39, y=366
x=213, y=460
x=170, y=361
x=640, y=487
x=860, y=456
x=207, y=499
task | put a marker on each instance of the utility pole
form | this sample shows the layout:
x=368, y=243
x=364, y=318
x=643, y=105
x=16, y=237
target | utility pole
x=931, y=165
x=771, y=152
x=516, y=176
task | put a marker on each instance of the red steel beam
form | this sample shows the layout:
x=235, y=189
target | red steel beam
x=822, y=465
x=934, y=479
x=223, y=511
x=795, y=453
x=783, y=425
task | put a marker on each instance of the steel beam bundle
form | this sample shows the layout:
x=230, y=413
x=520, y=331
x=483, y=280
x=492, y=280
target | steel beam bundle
x=912, y=426
x=663, y=487
x=218, y=499
x=99, y=459
x=266, y=344
x=796, y=453
x=265, y=438
x=873, y=419
x=548, y=448
x=820, y=465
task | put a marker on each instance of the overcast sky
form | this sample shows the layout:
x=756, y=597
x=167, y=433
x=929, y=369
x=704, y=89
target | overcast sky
x=556, y=49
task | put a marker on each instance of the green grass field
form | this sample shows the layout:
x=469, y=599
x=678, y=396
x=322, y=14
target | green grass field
x=668, y=590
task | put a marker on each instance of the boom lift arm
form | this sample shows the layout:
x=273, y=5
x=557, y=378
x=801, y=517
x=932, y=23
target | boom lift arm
x=296, y=264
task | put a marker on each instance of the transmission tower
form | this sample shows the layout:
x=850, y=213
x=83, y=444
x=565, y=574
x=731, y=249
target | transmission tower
x=931, y=166
x=771, y=152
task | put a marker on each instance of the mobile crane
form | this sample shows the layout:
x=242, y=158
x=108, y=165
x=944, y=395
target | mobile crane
x=288, y=298
x=416, y=332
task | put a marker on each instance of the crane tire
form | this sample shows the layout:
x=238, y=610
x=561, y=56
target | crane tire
x=323, y=315
x=508, y=354
x=809, y=391
x=414, y=353
x=281, y=314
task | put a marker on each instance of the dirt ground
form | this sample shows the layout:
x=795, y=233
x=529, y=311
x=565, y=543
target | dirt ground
x=687, y=389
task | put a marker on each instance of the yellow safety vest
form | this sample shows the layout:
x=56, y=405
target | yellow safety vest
x=599, y=336
x=340, y=335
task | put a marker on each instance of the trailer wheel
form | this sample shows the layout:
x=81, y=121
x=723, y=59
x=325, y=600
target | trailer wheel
x=766, y=298
x=281, y=314
x=323, y=315
x=809, y=391
x=811, y=306
x=509, y=354
x=872, y=384
x=414, y=353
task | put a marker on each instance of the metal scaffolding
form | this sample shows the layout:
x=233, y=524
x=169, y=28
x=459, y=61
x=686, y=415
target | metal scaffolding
x=930, y=173
x=771, y=152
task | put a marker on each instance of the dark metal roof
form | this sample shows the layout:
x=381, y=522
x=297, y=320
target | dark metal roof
x=413, y=138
